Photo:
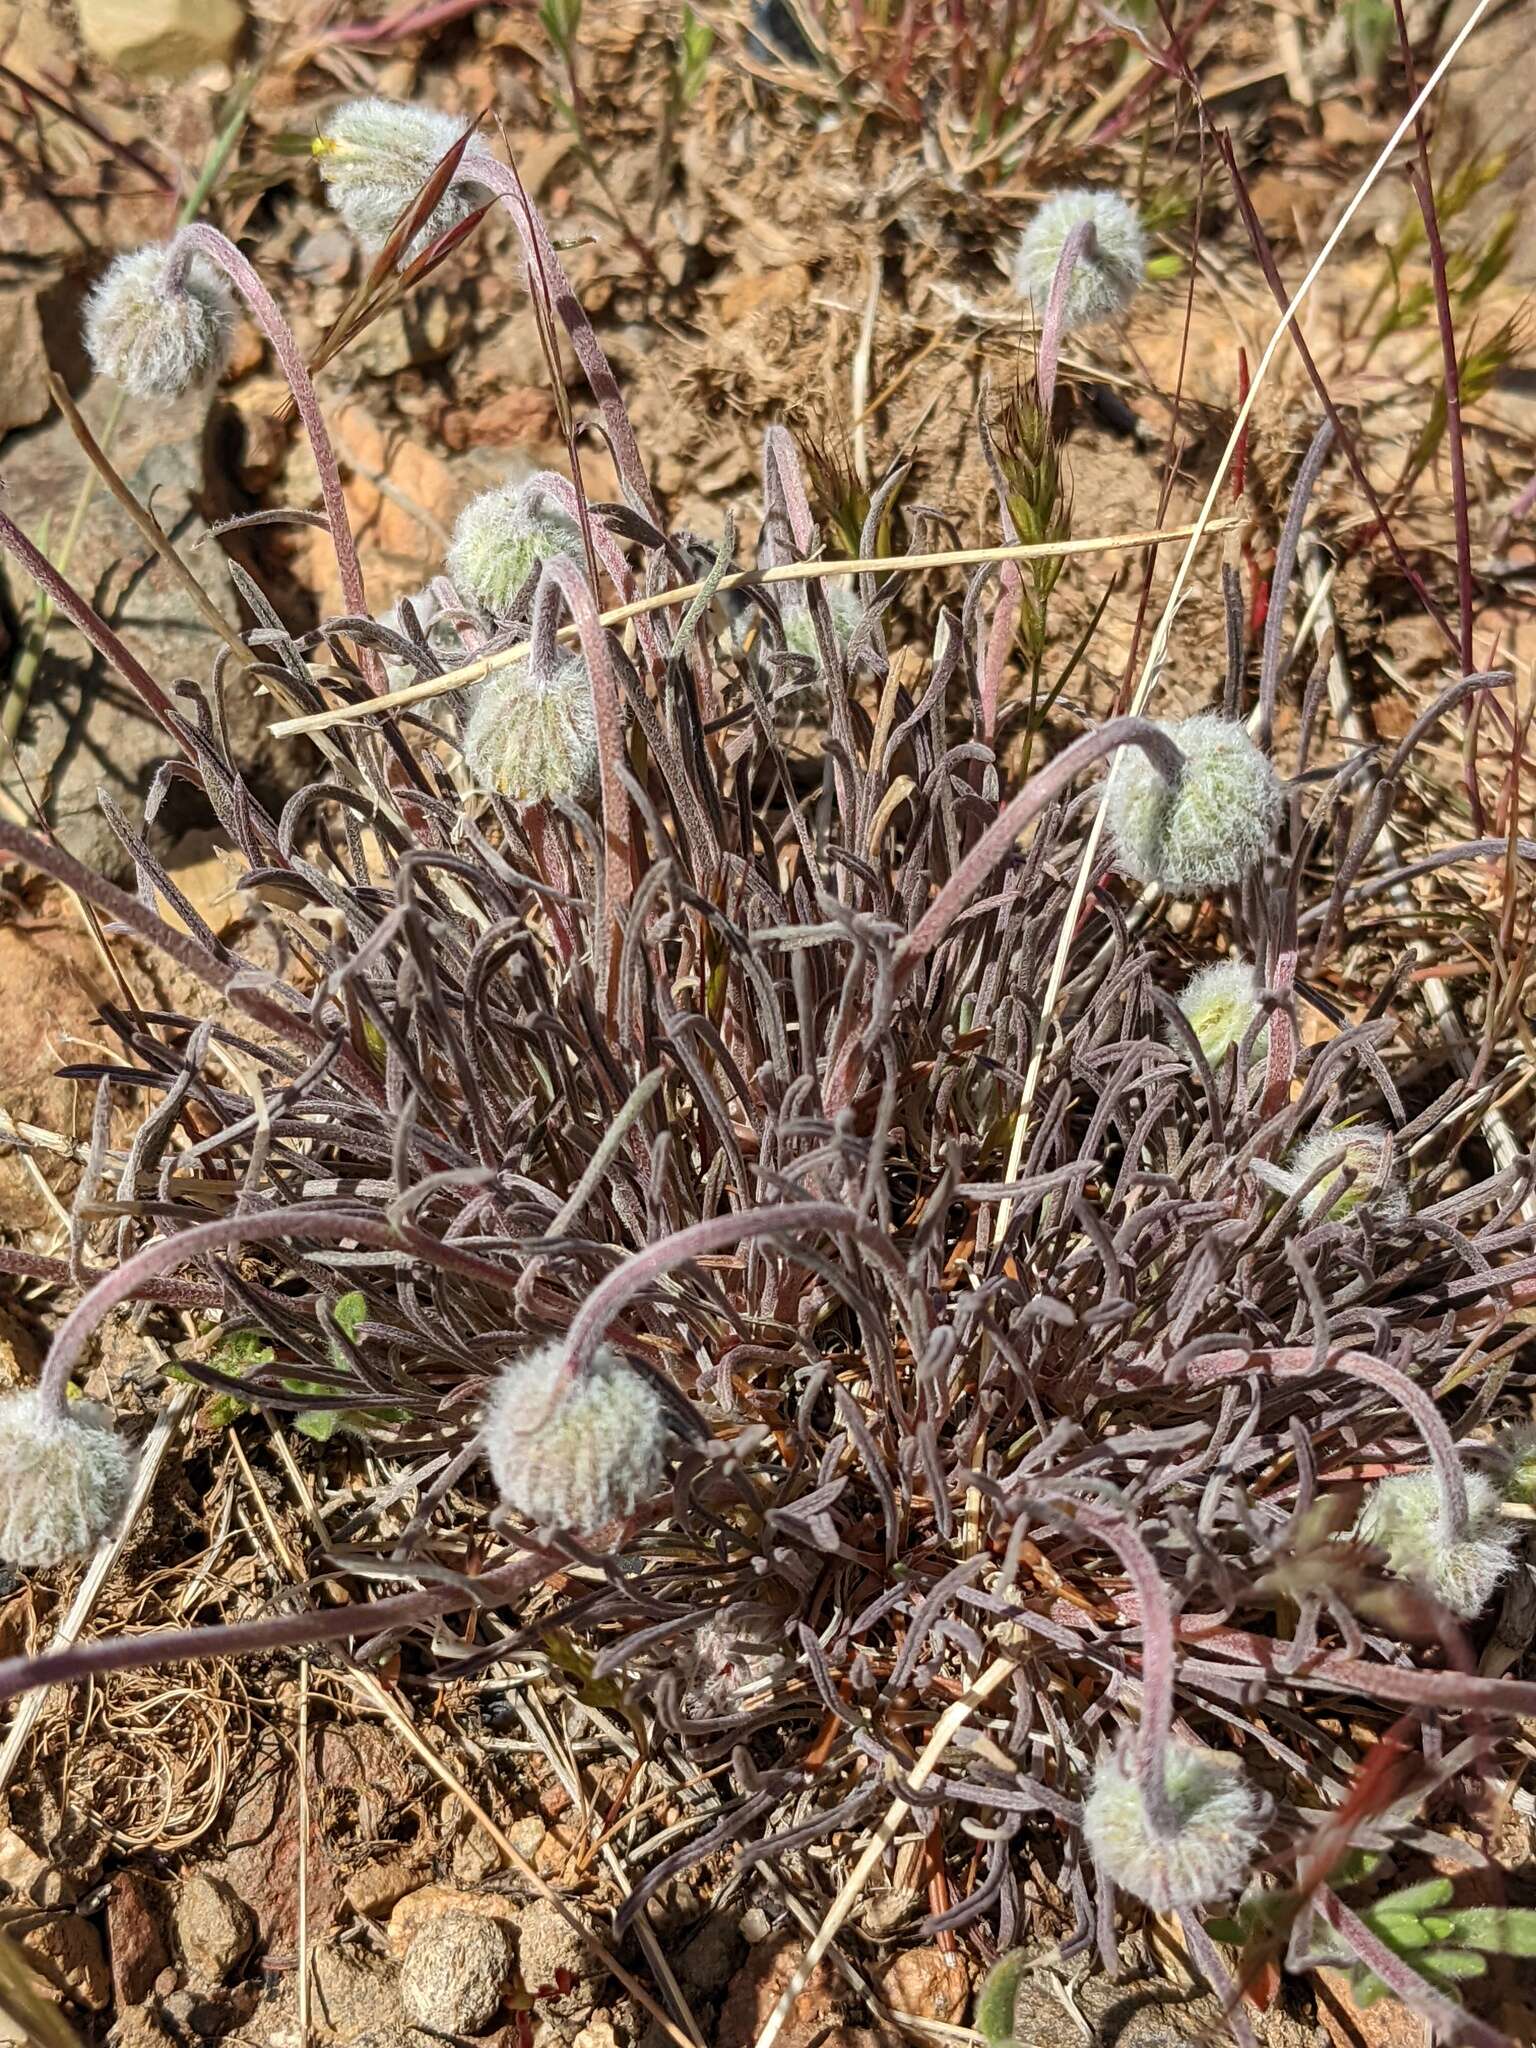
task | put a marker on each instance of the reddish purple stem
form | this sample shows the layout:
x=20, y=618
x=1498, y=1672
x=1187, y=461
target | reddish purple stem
x=202, y=240
x=563, y=575
x=1157, y=1657
x=499, y=178
x=1300, y=1362
x=1079, y=247
x=1020, y=814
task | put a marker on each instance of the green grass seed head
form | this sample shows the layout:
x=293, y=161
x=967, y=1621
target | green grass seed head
x=531, y=738
x=499, y=543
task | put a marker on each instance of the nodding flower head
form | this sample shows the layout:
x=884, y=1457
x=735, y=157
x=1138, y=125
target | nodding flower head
x=64, y=1479
x=533, y=737
x=1109, y=272
x=375, y=156
x=156, y=328
x=1220, y=1003
x=800, y=628
x=599, y=1452
x=1209, y=831
x=1219, y=1820
x=1361, y=1153
x=1405, y=1517
x=499, y=542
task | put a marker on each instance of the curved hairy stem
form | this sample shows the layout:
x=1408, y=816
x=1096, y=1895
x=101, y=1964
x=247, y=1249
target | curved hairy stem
x=1157, y=1655
x=200, y=239
x=1020, y=813
x=1079, y=247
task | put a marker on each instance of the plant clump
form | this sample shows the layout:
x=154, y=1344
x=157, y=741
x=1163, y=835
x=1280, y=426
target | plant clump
x=577, y=1456
x=1218, y=1820
x=1210, y=829
x=1405, y=1517
x=375, y=155
x=157, y=325
x=1107, y=274
x=64, y=1479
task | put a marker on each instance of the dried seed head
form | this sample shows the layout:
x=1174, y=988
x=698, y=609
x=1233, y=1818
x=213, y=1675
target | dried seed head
x=1405, y=1517
x=375, y=156
x=1210, y=831
x=158, y=340
x=1108, y=274
x=800, y=629
x=1361, y=1151
x=532, y=739
x=600, y=1452
x=1220, y=1003
x=64, y=1479
x=1220, y=1817
x=499, y=543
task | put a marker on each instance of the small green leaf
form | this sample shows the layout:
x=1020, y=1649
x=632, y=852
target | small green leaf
x=998, y=1998
x=320, y=1424
x=1453, y=1962
x=1401, y=1931
x=1496, y=1930
x=350, y=1313
x=1418, y=1898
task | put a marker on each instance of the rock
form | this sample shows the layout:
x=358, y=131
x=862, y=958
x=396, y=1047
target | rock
x=20, y=1357
x=825, y=2003
x=160, y=38
x=28, y=1875
x=85, y=729
x=194, y=2016
x=755, y=1926
x=24, y=396
x=135, y=1936
x=214, y=1930
x=1387, y=2024
x=549, y=1948
x=356, y=1994
x=456, y=1972
x=67, y=1954
x=137, y=2027
x=432, y=1901
x=712, y=1955
x=597, y=2033
x=928, y=1983
x=382, y=1883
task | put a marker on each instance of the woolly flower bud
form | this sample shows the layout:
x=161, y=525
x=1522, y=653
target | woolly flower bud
x=498, y=543
x=1209, y=832
x=64, y=1479
x=155, y=339
x=530, y=739
x=1361, y=1151
x=1220, y=1003
x=1106, y=276
x=800, y=628
x=375, y=156
x=1219, y=1813
x=600, y=1451
x=1405, y=1517
x=1518, y=1450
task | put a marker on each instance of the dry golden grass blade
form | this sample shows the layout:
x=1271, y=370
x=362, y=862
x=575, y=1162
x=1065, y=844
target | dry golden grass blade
x=787, y=572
